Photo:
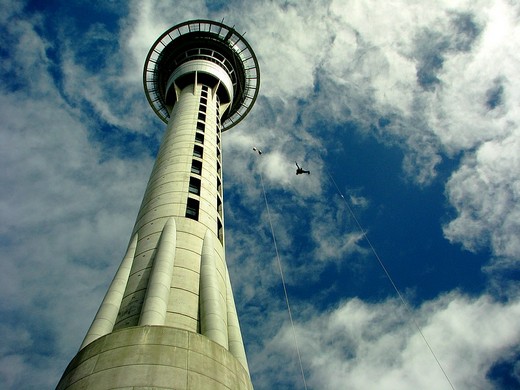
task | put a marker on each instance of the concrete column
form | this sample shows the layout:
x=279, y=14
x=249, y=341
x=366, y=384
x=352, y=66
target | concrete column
x=159, y=284
x=236, y=345
x=213, y=317
x=106, y=316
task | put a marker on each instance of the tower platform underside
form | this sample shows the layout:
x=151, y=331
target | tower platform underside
x=211, y=42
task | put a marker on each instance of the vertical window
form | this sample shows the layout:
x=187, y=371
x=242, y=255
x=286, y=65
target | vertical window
x=197, y=151
x=218, y=114
x=218, y=168
x=219, y=206
x=202, y=117
x=192, y=209
x=219, y=186
x=201, y=126
x=194, y=187
x=220, y=231
x=199, y=138
x=196, y=167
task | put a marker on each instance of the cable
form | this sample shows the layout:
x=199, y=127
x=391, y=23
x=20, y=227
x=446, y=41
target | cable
x=405, y=304
x=283, y=283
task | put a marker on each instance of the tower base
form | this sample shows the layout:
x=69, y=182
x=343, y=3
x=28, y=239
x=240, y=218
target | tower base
x=145, y=357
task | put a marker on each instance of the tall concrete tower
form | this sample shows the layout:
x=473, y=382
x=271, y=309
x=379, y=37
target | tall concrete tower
x=168, y=319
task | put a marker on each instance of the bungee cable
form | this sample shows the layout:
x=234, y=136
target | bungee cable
x=376, y=255
x=401, y=298
x=280, y=268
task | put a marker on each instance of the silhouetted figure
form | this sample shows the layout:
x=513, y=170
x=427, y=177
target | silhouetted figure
x=299, y=170
x=257, y=150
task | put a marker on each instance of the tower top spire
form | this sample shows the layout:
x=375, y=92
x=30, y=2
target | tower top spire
x=172, y=59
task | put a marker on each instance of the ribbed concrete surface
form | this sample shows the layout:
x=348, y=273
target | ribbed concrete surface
x=166, y=197
x=157, y=357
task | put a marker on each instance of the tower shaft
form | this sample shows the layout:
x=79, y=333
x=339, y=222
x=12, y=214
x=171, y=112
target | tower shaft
x=178, y=278
x=168, y=319
x=185, y=184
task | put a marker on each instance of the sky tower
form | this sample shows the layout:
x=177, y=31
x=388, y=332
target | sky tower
x=168, y=319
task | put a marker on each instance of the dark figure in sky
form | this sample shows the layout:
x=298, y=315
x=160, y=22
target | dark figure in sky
x=299, y=170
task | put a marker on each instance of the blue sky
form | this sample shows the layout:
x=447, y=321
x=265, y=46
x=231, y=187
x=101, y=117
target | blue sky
x=409, y=107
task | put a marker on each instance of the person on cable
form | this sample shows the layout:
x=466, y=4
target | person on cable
x=299, y=170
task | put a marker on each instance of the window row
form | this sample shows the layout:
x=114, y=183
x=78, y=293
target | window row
x=193, y=204
x=198, y=151
x=194, y=188
x=192, y=212
x=196, y=168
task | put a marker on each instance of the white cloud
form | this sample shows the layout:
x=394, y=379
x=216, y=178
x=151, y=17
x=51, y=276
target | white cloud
x=362, y=346
x=290, y=40
x=485, y=191
x=459, y=114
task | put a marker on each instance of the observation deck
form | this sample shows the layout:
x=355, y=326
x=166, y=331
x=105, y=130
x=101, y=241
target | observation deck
x=202, y=51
